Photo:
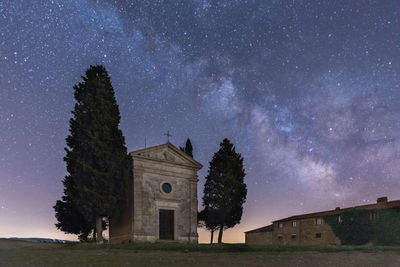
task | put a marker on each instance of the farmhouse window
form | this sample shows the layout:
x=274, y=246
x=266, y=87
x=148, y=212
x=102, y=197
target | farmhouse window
x=294, y=223
x=319, y=221
x=318, y=235
x=293, y=236
x=280, y=225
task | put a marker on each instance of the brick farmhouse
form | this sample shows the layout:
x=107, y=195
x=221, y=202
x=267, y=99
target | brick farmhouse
x=308, y=229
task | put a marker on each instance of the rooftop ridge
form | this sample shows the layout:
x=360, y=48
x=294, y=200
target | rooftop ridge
x=379, y=205
x=261, y=229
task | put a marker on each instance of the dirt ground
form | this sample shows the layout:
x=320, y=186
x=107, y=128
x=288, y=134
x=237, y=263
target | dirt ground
x=18, y=253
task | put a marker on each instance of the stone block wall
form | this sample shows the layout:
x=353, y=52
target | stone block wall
x=306, y=232
x=259, y=238
x=151, y=169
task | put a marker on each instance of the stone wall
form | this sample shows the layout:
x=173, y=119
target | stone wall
x=259, y=238
x=306, y=232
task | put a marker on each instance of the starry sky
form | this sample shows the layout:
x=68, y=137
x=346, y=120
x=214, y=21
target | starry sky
x=308, y=92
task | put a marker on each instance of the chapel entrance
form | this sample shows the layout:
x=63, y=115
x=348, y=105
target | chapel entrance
x=166, y=224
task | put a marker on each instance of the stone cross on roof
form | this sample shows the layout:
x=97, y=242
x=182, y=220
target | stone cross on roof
x=168, y=135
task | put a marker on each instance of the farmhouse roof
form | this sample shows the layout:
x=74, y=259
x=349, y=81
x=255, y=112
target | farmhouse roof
x=261, y=229
x=382, y=203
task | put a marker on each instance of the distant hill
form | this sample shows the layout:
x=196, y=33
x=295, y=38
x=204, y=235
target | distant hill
x=41, y=240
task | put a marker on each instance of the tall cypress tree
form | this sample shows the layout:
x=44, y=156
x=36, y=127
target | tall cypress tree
x=225, y=191
x=188, y=149
x=97, y=161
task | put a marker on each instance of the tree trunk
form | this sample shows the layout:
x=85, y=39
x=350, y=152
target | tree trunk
x=221, y=230
x=212, y=236
x=99, y=230
x=94, y=235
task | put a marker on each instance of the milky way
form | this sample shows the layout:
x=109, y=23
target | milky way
x=307, y=91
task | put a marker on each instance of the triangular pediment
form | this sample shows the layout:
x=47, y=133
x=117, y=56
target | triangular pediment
x=167, y=153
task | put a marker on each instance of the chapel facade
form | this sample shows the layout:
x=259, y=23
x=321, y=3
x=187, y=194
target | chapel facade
x=162, y=203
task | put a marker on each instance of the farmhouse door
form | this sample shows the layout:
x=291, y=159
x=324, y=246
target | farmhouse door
x=166, y=225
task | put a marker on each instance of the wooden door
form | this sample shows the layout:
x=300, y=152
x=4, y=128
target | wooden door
x=166, y=225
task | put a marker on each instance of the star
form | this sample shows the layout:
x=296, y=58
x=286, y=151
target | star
x=307, y=92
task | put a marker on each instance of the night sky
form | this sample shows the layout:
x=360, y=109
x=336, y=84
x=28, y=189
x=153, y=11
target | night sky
x=307, y=91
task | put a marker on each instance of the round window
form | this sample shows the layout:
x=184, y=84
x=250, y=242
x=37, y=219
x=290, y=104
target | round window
x=166, y=188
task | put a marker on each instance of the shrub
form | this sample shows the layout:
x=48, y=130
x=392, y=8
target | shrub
x=353, y=227
x=387, y=227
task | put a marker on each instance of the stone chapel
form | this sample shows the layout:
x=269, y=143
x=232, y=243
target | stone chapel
x=162, y=203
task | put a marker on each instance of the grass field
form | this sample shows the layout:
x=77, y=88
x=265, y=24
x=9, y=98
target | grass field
x=20, y=253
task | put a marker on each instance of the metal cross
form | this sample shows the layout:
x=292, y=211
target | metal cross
x=168, y=135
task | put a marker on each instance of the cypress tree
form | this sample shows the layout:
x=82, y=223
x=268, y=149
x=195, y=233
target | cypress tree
x=225, y=191
x=70, y=220
x=188, y=149
x=207, y=219
x=96, y=157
